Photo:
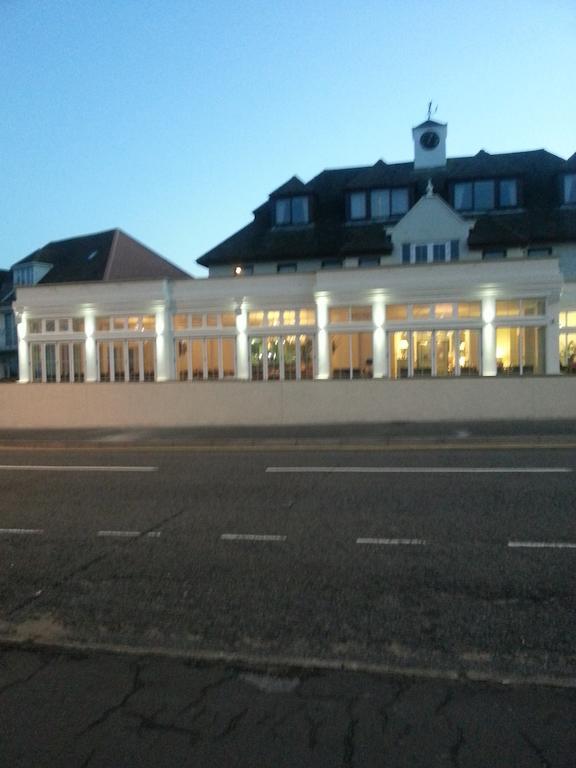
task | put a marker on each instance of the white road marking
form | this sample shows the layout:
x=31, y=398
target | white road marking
x=393, y=542
x=22, y=531
x=119, y=534
x=420, y=470
x=541, y=545
x=154, y=534
x=251, y=537
x=70, y=468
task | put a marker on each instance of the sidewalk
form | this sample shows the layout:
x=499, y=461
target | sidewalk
x=114, y=711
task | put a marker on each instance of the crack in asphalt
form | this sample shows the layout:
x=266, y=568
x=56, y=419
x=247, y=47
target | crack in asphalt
x=24, y=680
x=136, y=685
x=456, y=747
x=538, y=751
x=350, y=736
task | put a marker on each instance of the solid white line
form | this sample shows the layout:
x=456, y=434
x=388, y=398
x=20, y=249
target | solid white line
x=393, y=542
x=154, y=534
x=22, y=531
x=542, y=544
x=69, y=468
x=251, y=537
x=120, y=534
x=420, y=470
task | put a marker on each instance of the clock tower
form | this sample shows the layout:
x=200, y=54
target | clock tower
x=429, y=144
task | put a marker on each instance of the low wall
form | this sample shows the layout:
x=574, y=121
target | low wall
x=189, y=404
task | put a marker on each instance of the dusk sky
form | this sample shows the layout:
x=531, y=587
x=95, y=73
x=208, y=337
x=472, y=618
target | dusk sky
x=173, y=120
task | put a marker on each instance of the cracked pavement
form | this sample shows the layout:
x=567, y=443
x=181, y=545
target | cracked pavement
x=79, y=710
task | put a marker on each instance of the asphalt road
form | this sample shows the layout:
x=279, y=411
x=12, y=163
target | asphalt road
x=407, y=560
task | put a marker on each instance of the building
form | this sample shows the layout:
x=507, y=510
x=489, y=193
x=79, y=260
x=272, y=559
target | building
x=102, y=257
x=439, y=267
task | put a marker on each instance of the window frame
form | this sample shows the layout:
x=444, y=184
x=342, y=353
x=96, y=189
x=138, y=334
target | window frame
x=368, y=203
x=292, y=200
x=496, y=181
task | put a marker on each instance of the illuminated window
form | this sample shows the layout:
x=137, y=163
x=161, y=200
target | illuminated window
x=351, y=355
x=395, y=312
x=519, y=351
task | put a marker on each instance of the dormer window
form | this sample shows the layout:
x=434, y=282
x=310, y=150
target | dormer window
x=570, y=189
x=378, y=204
x=291, y=211
x=485, y=194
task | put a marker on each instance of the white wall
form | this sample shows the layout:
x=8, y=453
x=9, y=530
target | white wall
x=188, y=404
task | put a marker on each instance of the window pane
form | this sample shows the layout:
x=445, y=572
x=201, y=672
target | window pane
x=104, y=360
x=300, y=210
x=570, y=188
x=399, y=349
x=307, y=317
x=50, y=353
x=197, y=359
x=439, y=252
x=399, y=201
x=34, y=326
x=283, y=268
x=422, y=353
x=568, y=353
x=50, y=326
x=273, y=357
x=149, y=354
x=492, y=255
x=118, y=352
x=571, y=319
x=64, y=362
x=306, y=357
x=421, y=254
x=463, y=196
x=361, y=351
x=149, y=323
x=255, y=318
x=228, y=358
x=420, y=311
x=469, y=309
x=396, y=312
x=532, y=307
x=63, y=325
x=133, y=361
x=256, y=360
x=196, y=320
x=119, y=323
x=361, y=314
x=445, y=353
x=380, y=203
x=532, y=351
x=289, y=317
x=358, y=205
x=507, y=351
x=228, y=320
x=289, y=344
x=283, y=211
x=469, y=353
x=339, y=314
x=212, y=320
x=212, y=358
x=273, y=318
x=180, y=322
x=182, y=359
x=483, y=195
x=507, y=308
x=508, y=193
x=79, y=360
x=442, y=311
x=340, y=356
x=36, y=359
x=133, y=323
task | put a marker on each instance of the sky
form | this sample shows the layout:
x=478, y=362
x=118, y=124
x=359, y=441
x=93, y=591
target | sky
x=174, y=119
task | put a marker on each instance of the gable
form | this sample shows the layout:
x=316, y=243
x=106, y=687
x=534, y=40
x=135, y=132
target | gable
x=429, y=220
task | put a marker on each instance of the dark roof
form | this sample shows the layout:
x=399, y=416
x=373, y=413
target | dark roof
x=539, y=217
x=106, y=256
x=430, y=124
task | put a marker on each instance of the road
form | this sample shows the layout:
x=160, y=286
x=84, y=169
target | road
x=429, y=562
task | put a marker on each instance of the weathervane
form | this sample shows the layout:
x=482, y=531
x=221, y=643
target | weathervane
x=430, y=112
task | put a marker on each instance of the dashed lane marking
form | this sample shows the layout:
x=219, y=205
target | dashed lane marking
x=70, y=468
x=251, y=537
x=419, y=470
x=393, y=542
x=22, y=531
x=541, y=545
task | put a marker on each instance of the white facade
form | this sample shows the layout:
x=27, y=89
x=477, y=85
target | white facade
x=430, y=320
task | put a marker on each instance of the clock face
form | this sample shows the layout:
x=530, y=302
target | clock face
x=429, y=140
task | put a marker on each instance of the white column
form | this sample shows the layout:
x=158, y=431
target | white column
x=488, y=337
x=322, y=339
x=380, y=368
x=242, y=357
x=90, y=346
x=551, y=339
x=164, y=352
x=23, y=356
